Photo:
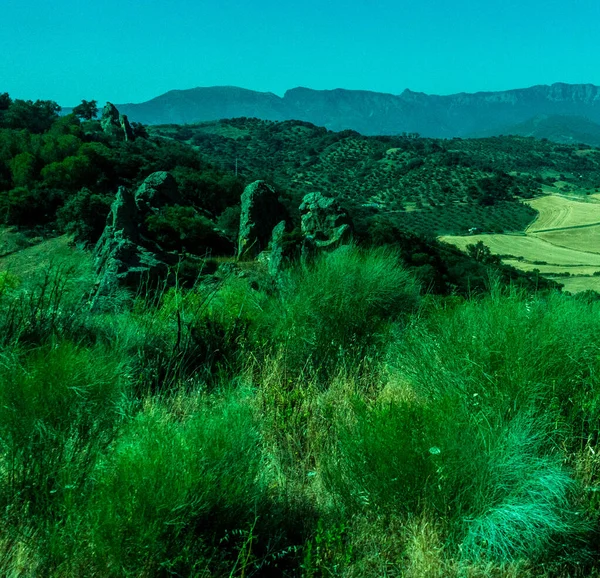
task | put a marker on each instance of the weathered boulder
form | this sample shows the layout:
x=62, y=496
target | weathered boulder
x=158, y=190
x=324, y=223
x=114, y=124
x=261, y=211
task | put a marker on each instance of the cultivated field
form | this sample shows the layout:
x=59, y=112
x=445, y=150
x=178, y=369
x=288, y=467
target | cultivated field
x=563, y=243
x=556, y=212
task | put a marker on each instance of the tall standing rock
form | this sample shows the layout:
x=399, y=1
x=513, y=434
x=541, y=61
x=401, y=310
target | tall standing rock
x=114, y=124
x=119, y=260
x=124, y=254
x=261, y=211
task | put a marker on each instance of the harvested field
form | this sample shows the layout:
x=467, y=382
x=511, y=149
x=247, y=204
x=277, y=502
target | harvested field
x=530, y=247
x=556, y=212
x=585, y=239
x=550, y=270
x=565, y=238
x=578, y=284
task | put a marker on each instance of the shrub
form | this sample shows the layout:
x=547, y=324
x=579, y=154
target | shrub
x=341, y=306
x=84, y=215
x=58, y=406
x=183, y=228
x=181, y=494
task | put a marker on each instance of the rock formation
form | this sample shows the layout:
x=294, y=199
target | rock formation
x=277, y=255
x=324, y=223
x=261, y=211
x=159, y=189
x=122, y=256
x=114, y=124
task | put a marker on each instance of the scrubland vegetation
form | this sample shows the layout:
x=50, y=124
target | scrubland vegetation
x=340, y=424
x=391, y=408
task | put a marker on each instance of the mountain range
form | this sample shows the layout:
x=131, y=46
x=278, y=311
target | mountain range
x=375, y=113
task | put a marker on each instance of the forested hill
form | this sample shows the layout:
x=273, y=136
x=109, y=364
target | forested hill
x=424, y=185
x=374, y=113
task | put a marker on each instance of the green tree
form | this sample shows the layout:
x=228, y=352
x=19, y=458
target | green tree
x=23, y=169
x=87, y=110
x=84, y=215
x=5, y=101
x=481, y=253
x=71, y=173
x=36, y=117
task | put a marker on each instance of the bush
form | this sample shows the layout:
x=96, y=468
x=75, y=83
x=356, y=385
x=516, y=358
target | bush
x=84, y=215
x=58, y=406
x=340, y=307
x=183, y=228
x=181, y=495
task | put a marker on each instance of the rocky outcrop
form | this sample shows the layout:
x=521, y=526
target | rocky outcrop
x=324, y=223
x=158, y=190
x=114, y=124
x=122, y=256
x=261, y=211
x=277, y=255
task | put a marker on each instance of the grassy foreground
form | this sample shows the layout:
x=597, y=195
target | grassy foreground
x=338, y=423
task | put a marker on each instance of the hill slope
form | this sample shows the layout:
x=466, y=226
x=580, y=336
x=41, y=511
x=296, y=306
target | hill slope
x=424, y=185
x=562, y=129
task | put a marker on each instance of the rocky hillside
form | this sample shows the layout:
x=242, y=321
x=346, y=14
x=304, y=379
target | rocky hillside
x=373, y=113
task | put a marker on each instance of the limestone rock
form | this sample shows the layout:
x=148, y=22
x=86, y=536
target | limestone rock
x=126, y=127
x=277, y=255
x=122, y=257
x=261, y=211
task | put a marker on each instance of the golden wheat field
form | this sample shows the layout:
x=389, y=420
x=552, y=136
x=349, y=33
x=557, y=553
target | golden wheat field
x=563, y=239
x=556, y=211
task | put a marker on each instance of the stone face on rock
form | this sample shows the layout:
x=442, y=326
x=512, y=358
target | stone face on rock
x=324, y=223
x=261, y=211
x=158, y=190
x=114, y=124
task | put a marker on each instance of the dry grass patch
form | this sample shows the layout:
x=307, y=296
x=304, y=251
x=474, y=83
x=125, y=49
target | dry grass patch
x=57, y=251
x=585, y=239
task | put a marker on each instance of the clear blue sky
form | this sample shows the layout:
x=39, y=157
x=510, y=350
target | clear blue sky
x=131, y=51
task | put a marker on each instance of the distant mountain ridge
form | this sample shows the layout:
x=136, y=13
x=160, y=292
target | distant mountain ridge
x=375, y=113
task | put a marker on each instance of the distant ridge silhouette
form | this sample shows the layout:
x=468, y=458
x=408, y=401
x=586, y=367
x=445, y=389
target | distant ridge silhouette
x=375, y=113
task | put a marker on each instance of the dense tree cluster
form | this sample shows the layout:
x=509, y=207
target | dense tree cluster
x=61, y=173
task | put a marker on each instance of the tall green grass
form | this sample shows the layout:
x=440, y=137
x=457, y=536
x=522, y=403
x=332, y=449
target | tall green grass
x=340, y=308
x=318, y=427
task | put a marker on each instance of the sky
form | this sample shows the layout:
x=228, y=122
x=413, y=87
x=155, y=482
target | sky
x=133, y=50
